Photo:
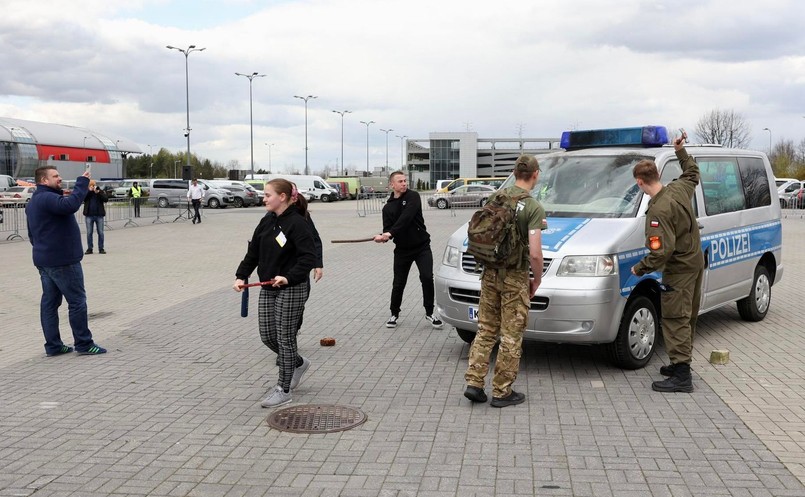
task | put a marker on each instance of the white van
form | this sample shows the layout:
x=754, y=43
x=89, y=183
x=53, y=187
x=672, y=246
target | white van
x=6, y=182
x=315, y=185
x=596, y=233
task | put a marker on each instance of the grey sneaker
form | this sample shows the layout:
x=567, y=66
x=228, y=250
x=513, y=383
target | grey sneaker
x=276, y=397
x=298, y=372
x=435, y=321
x=392, y=322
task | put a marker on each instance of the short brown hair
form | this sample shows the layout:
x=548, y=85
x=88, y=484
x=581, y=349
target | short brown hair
x=395, y=173
x=647, y=171
x=525, y=166
x=41, y=173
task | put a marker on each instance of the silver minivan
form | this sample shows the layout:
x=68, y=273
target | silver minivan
x=596, y=223
x=173, y=191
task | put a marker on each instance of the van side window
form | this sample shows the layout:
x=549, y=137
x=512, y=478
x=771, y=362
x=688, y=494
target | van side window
x=317, y=184
x=755, y=181
x=721, y=184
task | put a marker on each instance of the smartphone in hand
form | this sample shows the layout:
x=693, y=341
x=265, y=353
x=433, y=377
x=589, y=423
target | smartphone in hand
x=87, y=167
x=683, y=134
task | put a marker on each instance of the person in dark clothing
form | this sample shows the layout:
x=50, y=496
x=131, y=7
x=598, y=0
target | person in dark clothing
x=675, y=249
x=57, y=253
x=403, y=223
x=94, y=213
x=282, y=250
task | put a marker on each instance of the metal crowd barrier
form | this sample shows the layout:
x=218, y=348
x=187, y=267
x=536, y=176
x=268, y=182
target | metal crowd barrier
x=12, y=220
x=370, y=203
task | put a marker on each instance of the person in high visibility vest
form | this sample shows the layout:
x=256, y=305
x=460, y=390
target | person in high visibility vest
x=136, y=194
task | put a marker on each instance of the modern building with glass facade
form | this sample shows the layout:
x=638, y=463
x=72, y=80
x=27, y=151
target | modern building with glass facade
x=27, y=145
x=464, y=155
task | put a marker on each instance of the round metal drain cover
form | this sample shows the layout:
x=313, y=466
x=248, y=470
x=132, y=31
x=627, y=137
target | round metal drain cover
x=316, y=418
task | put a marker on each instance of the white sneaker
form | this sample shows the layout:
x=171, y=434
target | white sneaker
x=298, y=372
x=392, y=322
x=277, y=397
x=435, y=321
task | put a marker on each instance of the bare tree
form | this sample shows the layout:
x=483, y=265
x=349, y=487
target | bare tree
x=724, y=127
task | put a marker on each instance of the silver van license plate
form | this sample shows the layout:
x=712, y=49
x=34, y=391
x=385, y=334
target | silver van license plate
x=472, y=313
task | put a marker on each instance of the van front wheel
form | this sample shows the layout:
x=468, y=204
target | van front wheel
x=637, y=334
x=755, y=306
x=325, y=198
x=466, y=335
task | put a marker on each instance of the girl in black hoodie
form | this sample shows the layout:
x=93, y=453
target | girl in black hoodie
x=282, y=250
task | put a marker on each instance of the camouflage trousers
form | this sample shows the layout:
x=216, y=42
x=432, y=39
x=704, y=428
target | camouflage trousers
x=502, y=311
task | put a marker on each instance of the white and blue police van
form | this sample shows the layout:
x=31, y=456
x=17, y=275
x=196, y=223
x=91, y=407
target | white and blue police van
x=596, y=233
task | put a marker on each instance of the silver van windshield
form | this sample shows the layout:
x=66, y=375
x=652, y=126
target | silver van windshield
x=587, y=186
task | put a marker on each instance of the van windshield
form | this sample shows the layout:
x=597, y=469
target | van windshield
x=587, y=186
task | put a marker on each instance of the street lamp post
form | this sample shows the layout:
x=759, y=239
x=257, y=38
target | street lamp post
x=251, y=125
x=175, y=166
x=402, y=155
x=307, y=169
x=151, y=158
x=387, y=131
x=269, y=156
x=767, y=129
x=342, y=112
x=367, y=142
x=186, y=52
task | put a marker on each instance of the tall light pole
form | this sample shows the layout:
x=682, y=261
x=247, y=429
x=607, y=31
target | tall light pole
x=251, y=124
x=269, y=156
x=342, y=112
x=402, y=155
x=307, y=169
x=387, y=131
x=367, y=142
x=186, y=52
x=151, y=158
x=767, y=129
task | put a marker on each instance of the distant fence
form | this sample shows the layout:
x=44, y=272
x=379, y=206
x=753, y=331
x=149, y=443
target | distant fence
x=119, y=212
x=373, y=203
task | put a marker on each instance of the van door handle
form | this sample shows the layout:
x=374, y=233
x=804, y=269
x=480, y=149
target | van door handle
x=701, y=226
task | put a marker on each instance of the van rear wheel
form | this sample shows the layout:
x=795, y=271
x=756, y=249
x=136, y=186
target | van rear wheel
x=637, y=334
x=755, y=306
x=162, y=203
x=466, y=335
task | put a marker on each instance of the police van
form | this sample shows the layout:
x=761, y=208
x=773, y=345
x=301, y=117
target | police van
x=596, y=233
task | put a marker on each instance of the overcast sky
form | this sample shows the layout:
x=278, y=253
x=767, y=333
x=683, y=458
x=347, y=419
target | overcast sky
x=416, y=66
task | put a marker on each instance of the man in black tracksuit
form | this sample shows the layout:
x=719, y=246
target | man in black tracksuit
x=403, y=222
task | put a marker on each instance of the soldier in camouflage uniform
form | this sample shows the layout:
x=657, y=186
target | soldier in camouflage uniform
x=675, y=249
x=505, y=299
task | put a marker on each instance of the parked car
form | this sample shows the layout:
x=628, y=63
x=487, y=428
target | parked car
x=788, y=192
x=796, y=200
x=17, y=194
x=463, y=196
x=243, y=196
x=122, y=190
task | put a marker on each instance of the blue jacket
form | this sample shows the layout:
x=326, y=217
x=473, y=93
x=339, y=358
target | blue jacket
x=52, y=227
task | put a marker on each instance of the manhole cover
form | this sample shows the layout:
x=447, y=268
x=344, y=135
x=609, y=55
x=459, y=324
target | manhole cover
x=316, y=418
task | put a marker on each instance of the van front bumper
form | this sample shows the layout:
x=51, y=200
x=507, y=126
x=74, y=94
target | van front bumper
x=589, y=313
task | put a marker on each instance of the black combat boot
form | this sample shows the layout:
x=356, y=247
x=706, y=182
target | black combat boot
x=668, y=370
x=679, y=382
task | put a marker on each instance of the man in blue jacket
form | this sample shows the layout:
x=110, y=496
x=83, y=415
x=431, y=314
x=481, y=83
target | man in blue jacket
x=57, y=253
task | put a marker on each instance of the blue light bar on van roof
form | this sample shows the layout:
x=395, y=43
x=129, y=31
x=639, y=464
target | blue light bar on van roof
x=646, y=136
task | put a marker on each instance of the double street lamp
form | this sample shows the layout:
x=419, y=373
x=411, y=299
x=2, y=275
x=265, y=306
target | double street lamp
x=186, y=52
x=307, y=169
x=402, y=156
x=251, y=124
x=367, y=142
x=387, y=131
x=269, y=145
x=342, y=112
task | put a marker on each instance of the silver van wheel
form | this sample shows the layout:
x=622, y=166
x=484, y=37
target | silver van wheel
x=163, y=202
x=466, y=335
x=755, y=305
x=637, y=334
x=325, y=198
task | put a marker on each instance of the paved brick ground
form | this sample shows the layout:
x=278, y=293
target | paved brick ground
x=173, y=409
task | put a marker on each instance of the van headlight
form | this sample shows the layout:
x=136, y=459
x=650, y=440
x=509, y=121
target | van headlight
x=587, y=265
x=452, y=256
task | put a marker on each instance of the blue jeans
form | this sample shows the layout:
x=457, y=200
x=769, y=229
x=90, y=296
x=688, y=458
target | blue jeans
x=67, y=281
x=94, y=221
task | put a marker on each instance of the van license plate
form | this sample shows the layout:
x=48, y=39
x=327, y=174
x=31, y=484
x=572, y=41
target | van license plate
x=472, y=313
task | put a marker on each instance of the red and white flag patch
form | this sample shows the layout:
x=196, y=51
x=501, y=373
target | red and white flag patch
x=654, y=223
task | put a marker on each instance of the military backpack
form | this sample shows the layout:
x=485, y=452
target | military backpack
x=493, y=237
